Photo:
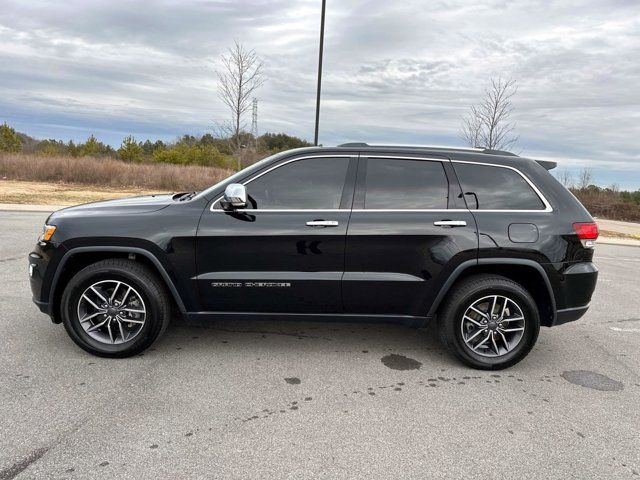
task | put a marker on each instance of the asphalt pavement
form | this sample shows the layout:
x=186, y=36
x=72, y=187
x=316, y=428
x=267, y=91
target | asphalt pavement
x=279, y=399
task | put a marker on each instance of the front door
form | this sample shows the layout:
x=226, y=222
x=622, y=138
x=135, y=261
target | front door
x=284, y=253
x=409, y=228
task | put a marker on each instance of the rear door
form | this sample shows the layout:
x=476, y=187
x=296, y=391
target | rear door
x=409, y=229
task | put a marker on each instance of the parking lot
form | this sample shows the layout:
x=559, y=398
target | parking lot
x=278, y=399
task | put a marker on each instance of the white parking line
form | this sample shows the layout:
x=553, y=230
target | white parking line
x=619, y=259
x=617, y=329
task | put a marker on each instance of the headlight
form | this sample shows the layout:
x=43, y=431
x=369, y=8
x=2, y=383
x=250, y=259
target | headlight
x=47, y=233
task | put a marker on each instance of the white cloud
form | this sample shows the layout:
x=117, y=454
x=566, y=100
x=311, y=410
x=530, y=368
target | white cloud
x=394, y=71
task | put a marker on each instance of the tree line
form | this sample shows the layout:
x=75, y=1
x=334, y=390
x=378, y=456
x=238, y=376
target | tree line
x=206, y=150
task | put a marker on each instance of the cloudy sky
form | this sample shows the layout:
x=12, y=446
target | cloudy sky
x=395, y=71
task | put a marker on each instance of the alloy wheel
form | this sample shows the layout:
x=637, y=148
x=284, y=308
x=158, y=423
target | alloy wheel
x=111, y=312
x=493, y=326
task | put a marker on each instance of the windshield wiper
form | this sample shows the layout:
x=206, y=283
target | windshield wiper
x=188, y=196
x=184, y=196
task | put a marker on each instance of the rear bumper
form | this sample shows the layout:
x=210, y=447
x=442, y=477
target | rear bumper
x=577, y=287
x=570, y=314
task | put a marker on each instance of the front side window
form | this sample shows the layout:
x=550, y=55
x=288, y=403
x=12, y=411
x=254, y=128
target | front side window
x=405, y=184
x=314, y=183
x=496, y=188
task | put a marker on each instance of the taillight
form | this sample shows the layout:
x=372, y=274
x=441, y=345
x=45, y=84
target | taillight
x=587, y=233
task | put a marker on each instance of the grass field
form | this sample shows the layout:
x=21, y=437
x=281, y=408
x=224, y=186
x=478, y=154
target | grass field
x=62, y=194
x=108, y=173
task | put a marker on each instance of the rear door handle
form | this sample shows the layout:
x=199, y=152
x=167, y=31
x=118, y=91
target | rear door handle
x=450, y=223
x=322, y=223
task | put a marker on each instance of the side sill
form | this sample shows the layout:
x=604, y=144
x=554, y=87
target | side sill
x=407, y=320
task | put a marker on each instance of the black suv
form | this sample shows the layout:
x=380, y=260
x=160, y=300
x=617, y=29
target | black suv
x=485, y=243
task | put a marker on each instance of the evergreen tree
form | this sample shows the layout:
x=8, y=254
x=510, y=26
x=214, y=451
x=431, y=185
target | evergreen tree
x=9, y=139
x=130, y=150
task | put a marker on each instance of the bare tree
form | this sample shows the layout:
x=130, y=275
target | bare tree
x=584, y=178
x=239, y=78
x=565, y=178
x=489, y=123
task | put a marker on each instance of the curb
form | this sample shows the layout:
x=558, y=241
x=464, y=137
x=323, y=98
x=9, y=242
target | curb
x=23, y=207
x=629, y=242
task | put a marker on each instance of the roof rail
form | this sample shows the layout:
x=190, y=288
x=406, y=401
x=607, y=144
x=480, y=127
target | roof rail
x=355, y=144
x=487, y=151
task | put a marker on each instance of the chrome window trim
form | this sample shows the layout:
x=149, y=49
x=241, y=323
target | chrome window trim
x=211, y=209
x=287, y=210
x=409, y=210
x=547, y=205
x=548, y=208
x=450, y=210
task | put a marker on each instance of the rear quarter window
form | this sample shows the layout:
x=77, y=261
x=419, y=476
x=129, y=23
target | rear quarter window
x=496, y=188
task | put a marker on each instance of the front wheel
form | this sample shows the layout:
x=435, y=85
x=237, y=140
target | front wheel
x=115, y=308
x=489, y=322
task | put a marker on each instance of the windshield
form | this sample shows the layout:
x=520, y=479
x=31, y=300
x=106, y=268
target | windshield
x=242, y=173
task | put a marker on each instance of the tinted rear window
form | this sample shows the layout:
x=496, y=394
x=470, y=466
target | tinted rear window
x=496, y=188
x=405, y=184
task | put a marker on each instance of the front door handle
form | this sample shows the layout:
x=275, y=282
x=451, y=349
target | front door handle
x=322, y=223
x=450, y=223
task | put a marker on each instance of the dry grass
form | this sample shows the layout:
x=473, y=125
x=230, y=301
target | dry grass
x=107, y=172
x=61, y=194
x=607, y=204
x=612, y=234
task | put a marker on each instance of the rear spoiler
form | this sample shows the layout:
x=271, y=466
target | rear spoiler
x=547, y=164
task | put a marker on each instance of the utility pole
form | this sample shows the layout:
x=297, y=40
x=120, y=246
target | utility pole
x=315, y=137
x=254, y=123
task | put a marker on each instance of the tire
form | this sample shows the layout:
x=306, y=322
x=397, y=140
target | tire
x=147, y=294
x=506, y=344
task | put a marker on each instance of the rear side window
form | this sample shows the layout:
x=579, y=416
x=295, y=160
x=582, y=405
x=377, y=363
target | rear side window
x=405, y=184
x=496, y=188
x=315, y=183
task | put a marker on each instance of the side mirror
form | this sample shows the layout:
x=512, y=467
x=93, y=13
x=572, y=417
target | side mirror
x=235, y=196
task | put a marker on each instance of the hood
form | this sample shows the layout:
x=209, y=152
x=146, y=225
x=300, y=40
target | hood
x=123, y=206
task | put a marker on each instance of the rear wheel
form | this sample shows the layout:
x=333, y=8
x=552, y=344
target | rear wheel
x=115, y=308
x=489, y=322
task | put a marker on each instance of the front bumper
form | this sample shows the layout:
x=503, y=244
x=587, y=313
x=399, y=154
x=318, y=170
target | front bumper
x=40, y=277
x=42, y=306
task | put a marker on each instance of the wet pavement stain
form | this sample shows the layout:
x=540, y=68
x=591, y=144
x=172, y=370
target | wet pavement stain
x=400, y=362
x=292, y=381
x=429, y=381
x=593, y=380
